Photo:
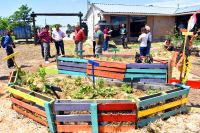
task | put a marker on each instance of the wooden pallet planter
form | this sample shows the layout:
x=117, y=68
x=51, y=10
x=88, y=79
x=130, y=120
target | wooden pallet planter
x=13, y=78
x=29, y=102
x=95, y=106
x=168, y=107
x=191, y=83
x=147, y=72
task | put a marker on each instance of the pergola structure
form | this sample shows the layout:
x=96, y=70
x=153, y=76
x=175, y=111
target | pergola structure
x=52, y=14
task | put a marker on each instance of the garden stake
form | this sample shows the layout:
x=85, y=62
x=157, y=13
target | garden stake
x=116, y=50
x=96, y=64
x=54, y=89
x=11, y=57
x=81, y=52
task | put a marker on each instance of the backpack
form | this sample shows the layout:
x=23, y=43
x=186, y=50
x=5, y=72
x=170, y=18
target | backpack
x=2, y=41
x=148, y=59
x=138, y=59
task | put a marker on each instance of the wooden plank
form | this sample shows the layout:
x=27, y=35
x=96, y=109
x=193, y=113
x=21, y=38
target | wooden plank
x=153, y=80
x=71, y=73
x=106, y=69
x=73, y=118
x=111, y=64
x=71, y=69
x=72, y=64
x=30, y=116
x=73, y=128
x=94, y=118
x=145, y=76
x=29, y=107
x=193, y=84
x=11, y=56
x=123, y=117
x=161, y=116
x=192, y=109
x=72, y=106
x=147, y=70
x=162, y=97
x=145, y=65
x=162, y=107
x=48, y=70
x=72, y=59
x=50, y=117
x=106, y=74
x=116, y=106
x=111, y=129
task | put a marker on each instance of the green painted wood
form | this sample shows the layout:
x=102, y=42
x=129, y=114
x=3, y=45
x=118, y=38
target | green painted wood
x=146, y=70
x=80, y=51
x=163, y=97
x=99, y=54
x=94, y=118
x=48, y=70
x=50, y=117
x=145, y=76
x=72, y=59
x=71, y=73
x=165, y=115
x=114, y=49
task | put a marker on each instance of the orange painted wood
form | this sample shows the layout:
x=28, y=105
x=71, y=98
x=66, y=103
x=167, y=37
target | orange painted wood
x=123, y=117
x=116, y=106
x=30, y=116
x=106, y=69
x=29, y=107
x=106, y=74
x=111, y=64
x=111, y=129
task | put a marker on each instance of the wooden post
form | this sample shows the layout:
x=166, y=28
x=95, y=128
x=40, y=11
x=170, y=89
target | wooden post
x=93, y=64
x=80, y=20
x=116, y=50
x=35, y=37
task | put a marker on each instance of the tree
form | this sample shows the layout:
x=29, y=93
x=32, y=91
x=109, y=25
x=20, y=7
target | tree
x=22, y=18
x=53, y=26
x=4, y=23
x=69, y=26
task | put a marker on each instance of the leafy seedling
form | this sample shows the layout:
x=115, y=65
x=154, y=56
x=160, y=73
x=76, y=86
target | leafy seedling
x=57, y=80
x=77, y=80
x=120, y=59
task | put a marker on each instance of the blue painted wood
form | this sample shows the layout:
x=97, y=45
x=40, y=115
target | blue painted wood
x=73, y=118
x=145, y=76
x=153, y=80
x=146, y=65
x=72, y=59
x=146, y=70
x=163, y=97
x=71, y=69
x=165, y=115
x=94, y=118
x=72, y=106
x=72, y=64
x=71, y=73
x=50, y=117
x=93, y=64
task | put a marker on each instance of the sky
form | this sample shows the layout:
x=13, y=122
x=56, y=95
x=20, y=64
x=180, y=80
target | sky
x=76, y=6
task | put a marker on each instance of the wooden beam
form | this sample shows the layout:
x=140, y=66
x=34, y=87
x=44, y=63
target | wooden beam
x=193, y=84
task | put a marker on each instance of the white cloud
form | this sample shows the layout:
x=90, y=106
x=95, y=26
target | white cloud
x=174, y=3
x=59, y=17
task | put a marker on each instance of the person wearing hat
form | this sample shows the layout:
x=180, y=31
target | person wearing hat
x=149, y=39
x=123, y=32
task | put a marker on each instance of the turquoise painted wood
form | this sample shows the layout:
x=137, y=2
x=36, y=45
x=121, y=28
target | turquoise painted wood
x=94, y=118
x=165, y=115
x=50, y=117
x=163, y=97
x=181, y=85
x=145, y=76
x=146, y=70
x=72, y=59
x=71, y=73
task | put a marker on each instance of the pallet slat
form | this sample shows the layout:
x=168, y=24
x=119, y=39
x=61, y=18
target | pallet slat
x=72, y=64
x=73, y=118
x=123, y=117
x=116, y=106
x=72, y=59
x=48, y=70
x=110, y=64
x=153, y=80
x=106, y=69
x=145, y=65
x=71, y=69
x=72, y=106
x=71, y=73
x=146, y=70
x=145, y=76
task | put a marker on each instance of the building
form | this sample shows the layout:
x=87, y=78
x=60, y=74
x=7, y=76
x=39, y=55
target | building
x=160, y=19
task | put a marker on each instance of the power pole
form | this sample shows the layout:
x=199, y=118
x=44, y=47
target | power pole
x=45, y=22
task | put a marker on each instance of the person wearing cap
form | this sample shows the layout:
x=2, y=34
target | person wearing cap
x=99, y=40
x=106, y=37
x=123, y=32
x=149, y=39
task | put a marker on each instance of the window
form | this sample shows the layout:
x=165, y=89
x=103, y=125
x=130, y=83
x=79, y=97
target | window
x=116, y=23
x=136, y=23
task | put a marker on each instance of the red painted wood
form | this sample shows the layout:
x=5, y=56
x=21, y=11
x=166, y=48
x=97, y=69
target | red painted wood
x=29, y=107
x=123, y=117
x=106, y=69
x=193, y=84
x=116, y=106
x=111, y=64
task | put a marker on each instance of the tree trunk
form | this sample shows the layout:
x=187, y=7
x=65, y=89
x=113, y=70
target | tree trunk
x=26, y=34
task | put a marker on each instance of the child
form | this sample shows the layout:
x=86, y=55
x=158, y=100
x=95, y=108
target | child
x=143, y=42
x=168, y=45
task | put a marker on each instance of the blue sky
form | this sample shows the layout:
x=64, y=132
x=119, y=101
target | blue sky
x=76, y=6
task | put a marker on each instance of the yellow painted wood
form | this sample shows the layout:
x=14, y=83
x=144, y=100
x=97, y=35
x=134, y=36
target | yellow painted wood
x=188, y=33
x=162, y=107
x=192, y=109
x=52, y=101
x=11, y=56
x=26, y=96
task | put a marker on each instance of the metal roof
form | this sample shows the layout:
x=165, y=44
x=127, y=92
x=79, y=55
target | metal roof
x=188, y=9
x=140, y=9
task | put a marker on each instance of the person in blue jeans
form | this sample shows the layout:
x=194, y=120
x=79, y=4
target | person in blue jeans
x=106, y=37
x=149, y=39
x=123, y=32
x=143, y=42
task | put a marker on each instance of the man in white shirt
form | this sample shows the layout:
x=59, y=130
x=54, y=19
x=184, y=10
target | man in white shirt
x=58, y=36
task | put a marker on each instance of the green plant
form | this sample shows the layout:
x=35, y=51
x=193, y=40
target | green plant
x=167, y=56
x=33, y=87
x=42, y=73
x=85, y=89
x=129, y=96
x=78, y=95
x=108, y=59
x=133, y=57
x=57, y=80
x=128, y=89
x=106, y=92
x=76, y=56
x=198, y=59
x=91, y=96
x=120, y=59
x=77, y=80
x=100, y=58
x=150, y=92
x=124, y=85
x=112, y=57
x=100, y=83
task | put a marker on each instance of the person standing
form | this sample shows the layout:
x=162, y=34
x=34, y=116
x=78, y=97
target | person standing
x=123, y=32
x=45, y=38
x=143, y=42
x=181, y=26
x=79, y=37
x=58, y=36
x=94, y=43
x=99, y=40
x=149, y=39
x=106, y=37
x=9, y=47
